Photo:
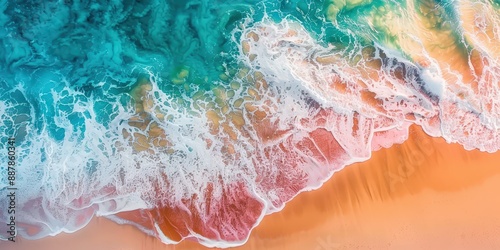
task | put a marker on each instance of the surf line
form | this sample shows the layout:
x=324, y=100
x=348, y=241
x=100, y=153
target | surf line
x=11, y=189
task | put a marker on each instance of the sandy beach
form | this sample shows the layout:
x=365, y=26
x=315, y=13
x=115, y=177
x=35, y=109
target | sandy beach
x=423, y=194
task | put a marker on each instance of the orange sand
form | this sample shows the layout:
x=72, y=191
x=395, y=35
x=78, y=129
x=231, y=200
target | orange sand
x=423, y=194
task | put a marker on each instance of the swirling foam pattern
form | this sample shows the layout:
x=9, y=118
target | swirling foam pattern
x=194, y=119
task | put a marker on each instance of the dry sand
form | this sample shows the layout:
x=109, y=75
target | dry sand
x=423, y=194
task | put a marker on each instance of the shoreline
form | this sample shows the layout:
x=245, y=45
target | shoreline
x=421, y=194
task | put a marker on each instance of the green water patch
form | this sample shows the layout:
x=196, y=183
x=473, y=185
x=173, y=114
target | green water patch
x=441, y=17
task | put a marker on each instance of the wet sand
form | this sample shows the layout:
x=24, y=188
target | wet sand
x=423, y=194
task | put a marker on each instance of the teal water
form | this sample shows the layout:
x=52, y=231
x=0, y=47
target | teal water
x=92, y=51
x=99, y=49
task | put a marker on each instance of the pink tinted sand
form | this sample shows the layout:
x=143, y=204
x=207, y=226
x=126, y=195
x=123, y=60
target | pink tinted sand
x=423, y=194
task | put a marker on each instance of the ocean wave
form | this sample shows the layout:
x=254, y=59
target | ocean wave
x=194, y=121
